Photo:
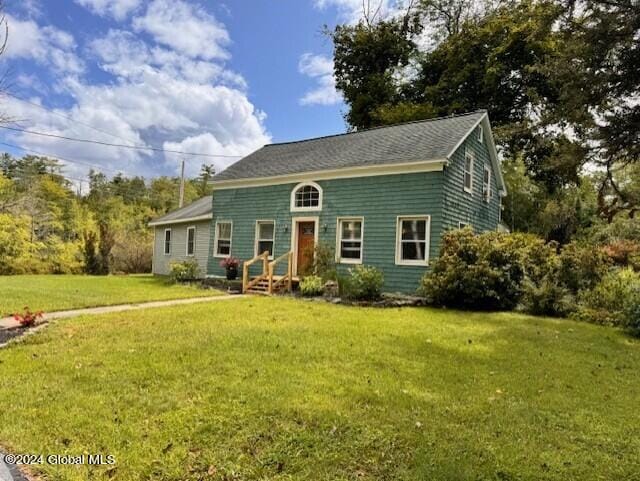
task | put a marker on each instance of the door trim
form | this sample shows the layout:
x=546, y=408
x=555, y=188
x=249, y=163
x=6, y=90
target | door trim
x=294, y=236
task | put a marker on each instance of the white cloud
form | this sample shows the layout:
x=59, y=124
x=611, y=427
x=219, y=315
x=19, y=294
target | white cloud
x=352, y=11
x=185, y=28
x=46, y=45
x=319, y=68
x=118, y=9
x=156, y=95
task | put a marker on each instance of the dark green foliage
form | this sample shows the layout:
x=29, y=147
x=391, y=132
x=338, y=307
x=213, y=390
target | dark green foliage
x=366, y=283
x=324, y=261
x=89, y=251
x=365, y=59
x=581, y=266
x=478, y=271
x=559, y=80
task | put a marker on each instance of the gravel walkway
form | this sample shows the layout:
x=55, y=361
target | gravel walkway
x=10, y=328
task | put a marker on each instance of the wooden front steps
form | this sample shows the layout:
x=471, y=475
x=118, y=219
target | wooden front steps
x=262, y=285
x=267, y=283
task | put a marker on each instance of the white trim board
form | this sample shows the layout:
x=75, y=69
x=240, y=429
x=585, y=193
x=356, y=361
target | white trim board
x=363, y=171
x=158, y=223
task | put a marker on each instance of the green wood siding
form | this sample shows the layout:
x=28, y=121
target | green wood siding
x=380, y=200
x=470, y=208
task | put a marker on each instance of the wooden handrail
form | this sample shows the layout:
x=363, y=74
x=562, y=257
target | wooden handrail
x=287, y=277
x=246, y=283
x=267, y=272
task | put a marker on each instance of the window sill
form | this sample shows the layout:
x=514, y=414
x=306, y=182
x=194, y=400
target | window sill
x=350, y=261
x=306, y=209
x=413, y=263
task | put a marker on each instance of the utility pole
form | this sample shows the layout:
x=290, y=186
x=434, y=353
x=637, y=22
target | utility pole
x=181, y=202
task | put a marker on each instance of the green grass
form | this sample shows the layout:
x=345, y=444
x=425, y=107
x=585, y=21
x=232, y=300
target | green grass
x=56, y=293
x=265, y=389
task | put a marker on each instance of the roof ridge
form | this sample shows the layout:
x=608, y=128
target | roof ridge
x=379, y=127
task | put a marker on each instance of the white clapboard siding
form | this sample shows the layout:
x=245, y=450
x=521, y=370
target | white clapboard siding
x=161, y=262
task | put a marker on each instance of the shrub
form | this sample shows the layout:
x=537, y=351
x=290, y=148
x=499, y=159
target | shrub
x=581, y=267
x=624, y=253
x=133, y=253
x=324, y=262
x=613, y=301
x=311, y=286
x=366, y=282
x=483, y=271
x=546, y=298
x=28, y=318
x=184, y=271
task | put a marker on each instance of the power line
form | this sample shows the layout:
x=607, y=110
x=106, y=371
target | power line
x=109, y=144
x=71, y=119
x=88, y=164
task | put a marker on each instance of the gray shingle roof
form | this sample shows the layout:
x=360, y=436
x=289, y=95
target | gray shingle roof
x=199, y=208
x=424, y=140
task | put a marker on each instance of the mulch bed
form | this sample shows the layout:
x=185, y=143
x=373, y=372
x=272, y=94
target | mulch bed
x=11, y=333
x=386, y=300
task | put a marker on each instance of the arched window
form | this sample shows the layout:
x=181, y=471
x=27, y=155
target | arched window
x=306, y=196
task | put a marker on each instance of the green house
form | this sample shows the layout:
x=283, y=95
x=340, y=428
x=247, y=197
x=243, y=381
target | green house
x=381, y=197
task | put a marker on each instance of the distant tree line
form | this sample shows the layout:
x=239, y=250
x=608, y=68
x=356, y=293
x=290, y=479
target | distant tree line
x=48, y=226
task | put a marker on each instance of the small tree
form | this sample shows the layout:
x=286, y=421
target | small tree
x=91, y=261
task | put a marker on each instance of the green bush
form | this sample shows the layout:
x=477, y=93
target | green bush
x=581, y=267
x=184, y=271
x=614, y=301
x=542, y=293
x=483, y=272
x=324, y=262
x=311, y=286
x=366, y=282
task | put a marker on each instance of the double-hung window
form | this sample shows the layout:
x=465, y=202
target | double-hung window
x=350, y=235
x=167, y=242
x=191, y=240
x=486, y=184
x=468, y=171
x=223, y=239
x=412, y=240
x=265, y=237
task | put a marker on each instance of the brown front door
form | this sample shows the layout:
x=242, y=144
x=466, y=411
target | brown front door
x=306, y=245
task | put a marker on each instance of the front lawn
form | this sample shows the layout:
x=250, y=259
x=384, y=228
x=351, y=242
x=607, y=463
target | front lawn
x=269, y=388
x=56, y=293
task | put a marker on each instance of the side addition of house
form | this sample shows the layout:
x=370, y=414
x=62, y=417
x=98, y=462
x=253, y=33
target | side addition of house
x=182, y=235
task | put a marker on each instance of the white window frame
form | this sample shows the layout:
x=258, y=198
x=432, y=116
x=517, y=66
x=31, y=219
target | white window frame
x=306, y=209
x=480, y=134
x=257, y=240
x=468, y=155
x=215, y=240
x=339, y=258
x=164, y=242
x=462, y=225
x=186, y=249
x=399, y=260
x=488, y=193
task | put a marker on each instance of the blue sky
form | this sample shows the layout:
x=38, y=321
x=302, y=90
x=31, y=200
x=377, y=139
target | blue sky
x=198, y=76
